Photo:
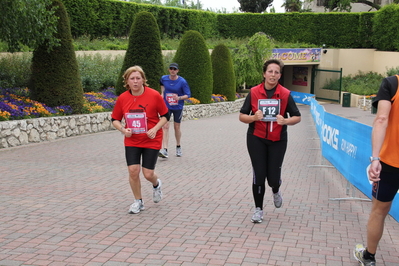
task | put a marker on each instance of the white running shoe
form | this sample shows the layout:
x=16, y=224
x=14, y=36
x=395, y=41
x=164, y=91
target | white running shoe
x=157, y=192
x=278, y=199
x=163, y=153
x=137, y=206
x=258, y=216
x=179, y=153
x=358, y=254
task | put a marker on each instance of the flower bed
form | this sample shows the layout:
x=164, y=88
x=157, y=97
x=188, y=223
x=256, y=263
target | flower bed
x=15, y=104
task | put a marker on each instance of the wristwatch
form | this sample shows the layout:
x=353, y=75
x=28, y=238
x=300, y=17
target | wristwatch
x=374, y=159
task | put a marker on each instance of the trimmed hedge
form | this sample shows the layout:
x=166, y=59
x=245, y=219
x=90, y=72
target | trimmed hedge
x=55, y=78
x=144, y=49
x=195, y=65
x=98, y=18
x=224, y=79
x=385, y=28
x=333, y=29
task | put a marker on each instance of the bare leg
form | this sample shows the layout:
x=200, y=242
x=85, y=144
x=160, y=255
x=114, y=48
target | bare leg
x=165, y=138
x=151, y=176
x=375, y=225
x=134, y=180
x=177, y=132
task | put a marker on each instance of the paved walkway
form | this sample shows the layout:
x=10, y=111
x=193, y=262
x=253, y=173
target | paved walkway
x=66, y=202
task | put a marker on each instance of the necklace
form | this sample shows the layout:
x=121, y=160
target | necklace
x=138, y=94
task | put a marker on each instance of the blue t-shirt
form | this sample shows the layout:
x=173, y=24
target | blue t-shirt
x=179, y=87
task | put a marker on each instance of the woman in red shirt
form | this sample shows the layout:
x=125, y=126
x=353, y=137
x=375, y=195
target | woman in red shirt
x=145, y=113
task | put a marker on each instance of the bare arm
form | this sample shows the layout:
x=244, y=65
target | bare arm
x=377, y=137
x=125, y=131
x=162, y=90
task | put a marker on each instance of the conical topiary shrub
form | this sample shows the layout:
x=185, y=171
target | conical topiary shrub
x=224, y=80
x=55, y=76
x=195, y=65
x=144, y=49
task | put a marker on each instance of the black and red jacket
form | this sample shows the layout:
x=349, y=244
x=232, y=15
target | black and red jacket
x=262, y=129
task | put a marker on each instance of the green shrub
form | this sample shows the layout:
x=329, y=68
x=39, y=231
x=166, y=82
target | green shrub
x=98, y=71
x=15, y=70
x=144, y=49
x=393, y=71
x=361, y=83
x=55, y=76
x=224, y=80
x=195, y=65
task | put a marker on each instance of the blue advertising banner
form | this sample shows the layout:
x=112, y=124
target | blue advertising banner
x=317, y=112
x=346, y=144
x=300, y=97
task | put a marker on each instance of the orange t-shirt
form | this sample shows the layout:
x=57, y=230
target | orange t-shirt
x=389, y=153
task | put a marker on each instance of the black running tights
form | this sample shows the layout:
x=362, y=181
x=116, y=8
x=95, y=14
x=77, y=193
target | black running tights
x=266, y=158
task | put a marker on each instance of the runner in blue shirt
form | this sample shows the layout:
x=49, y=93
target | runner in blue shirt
x=175, y=90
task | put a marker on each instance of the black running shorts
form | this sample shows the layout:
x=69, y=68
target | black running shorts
x=134, y=155
x=386, y=189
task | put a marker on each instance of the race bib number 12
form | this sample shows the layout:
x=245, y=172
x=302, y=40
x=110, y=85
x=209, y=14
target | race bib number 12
x=270, y=109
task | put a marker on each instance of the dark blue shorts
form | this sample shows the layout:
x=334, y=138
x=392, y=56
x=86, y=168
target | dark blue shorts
x=386, y=189
x=134, y=154
x=177, y=115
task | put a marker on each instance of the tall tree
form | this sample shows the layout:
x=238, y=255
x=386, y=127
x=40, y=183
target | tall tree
x=27, y=22
x=249, y=58
x=292, y=5
x=345, y=5
x=254, y=6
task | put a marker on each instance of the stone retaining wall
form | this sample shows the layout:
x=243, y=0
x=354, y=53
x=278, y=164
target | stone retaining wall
x=21, y=132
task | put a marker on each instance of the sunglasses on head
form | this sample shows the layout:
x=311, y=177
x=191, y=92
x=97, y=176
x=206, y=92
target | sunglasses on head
x=173, y=68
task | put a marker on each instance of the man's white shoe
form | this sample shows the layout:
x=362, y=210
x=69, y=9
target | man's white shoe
x=163, y=153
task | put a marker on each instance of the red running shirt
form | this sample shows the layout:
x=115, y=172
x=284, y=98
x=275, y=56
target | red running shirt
x=152, y=104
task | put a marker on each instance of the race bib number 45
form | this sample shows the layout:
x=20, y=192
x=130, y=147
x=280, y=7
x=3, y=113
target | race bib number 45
x=137, y=122
x=270, y=109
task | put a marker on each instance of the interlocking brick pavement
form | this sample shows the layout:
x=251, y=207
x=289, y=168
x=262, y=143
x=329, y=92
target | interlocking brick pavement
x=66, y=203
